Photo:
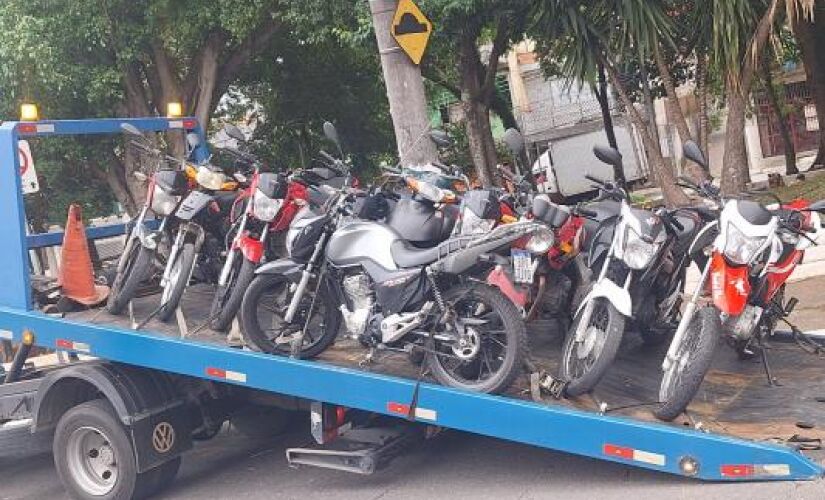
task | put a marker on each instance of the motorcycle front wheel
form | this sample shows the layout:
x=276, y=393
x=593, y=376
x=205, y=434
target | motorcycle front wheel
x=585, y=361
x=492, y=347
x=228, y=298
x=126, y=283
x=682, y=380
x=262, y=312
x=178, y=280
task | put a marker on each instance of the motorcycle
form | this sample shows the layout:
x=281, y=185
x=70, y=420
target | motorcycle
x=752, y=254
x=166, y=187
x=271, y=202
x=641, y=271
x=390, y=295
x=202, y=225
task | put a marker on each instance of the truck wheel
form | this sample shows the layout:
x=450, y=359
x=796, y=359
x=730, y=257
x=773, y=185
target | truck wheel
x=94, y=456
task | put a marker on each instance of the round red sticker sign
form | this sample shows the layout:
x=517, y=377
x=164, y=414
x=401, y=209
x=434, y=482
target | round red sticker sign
x=25, y=160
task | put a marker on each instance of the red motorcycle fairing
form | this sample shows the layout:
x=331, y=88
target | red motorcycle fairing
x=252, y=249
x=730, y=285
x=291, y=206
x=499, y=279
x=779, y=272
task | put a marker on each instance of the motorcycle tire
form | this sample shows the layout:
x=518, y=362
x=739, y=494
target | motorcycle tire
x=255, y=335
x=677, y=390
x=227, y=301
x=178, y=281
x=126, y=283
x=512, y=325
x=612, y=333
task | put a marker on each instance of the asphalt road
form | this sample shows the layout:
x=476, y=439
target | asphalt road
x=453, y=465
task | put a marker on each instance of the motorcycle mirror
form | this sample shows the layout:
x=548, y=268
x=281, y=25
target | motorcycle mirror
x=234, y=132
x=441, y=138
x=130, y=129
x=693, y=152
x=608, y=155
x=193, y=140
x=331, y=133
x=514, y=141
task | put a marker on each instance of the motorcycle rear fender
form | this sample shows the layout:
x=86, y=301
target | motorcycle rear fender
x=252, y=249
x=289, y=268
x=618, y=296
x=517, y=294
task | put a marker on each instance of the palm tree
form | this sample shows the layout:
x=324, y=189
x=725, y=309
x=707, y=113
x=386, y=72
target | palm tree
x=597, y=33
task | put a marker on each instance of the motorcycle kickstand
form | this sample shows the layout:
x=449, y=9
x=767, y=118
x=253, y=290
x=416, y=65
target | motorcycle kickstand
x=772, y=382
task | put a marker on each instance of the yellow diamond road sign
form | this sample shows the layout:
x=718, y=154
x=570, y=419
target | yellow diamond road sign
x=411, y=29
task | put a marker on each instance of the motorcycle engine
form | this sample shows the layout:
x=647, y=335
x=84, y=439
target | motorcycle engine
x=361, y=298
x=743, y=326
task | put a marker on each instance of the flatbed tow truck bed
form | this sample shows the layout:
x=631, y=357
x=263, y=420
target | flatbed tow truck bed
x=735, y=399
x=738, y=428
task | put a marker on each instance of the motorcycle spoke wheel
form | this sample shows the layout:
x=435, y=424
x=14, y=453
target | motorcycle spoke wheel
x=584, y=354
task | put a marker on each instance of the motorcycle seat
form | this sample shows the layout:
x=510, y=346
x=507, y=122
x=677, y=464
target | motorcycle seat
x=406, y=255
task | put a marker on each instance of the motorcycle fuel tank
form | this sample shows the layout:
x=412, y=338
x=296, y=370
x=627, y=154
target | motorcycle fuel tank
x=358, y=242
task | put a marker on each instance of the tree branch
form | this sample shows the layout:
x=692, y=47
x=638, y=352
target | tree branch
x=500, y=43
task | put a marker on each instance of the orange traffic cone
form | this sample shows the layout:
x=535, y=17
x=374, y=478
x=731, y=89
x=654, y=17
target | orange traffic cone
x=76, y=277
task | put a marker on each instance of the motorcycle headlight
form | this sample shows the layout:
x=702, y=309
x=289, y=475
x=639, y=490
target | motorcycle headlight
x=637, y=252
x=163, y=203
x=210, y=180
x=739, y=248
x=540, y=241
x=265, y=208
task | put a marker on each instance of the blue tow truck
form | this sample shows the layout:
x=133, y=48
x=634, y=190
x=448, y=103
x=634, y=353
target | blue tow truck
x=131, y=402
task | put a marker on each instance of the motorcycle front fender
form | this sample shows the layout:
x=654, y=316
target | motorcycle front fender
x=286, y=267
x=518, y=295
x=618, y=296
x=252, y=249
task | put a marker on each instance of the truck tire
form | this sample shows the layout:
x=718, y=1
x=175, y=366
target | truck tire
x=94, y=457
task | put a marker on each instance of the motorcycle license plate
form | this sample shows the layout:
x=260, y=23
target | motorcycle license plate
x=522, y=266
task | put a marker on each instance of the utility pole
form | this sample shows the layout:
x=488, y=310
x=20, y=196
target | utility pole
x=405, y=90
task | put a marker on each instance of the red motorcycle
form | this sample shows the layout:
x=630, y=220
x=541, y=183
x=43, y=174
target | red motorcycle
x=754, y=253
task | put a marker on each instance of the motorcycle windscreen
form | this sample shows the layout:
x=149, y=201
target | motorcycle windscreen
x=729, y=284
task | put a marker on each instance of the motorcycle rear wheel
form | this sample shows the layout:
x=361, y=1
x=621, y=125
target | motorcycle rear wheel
x=585, y=363
x=501, y=342
x=693, y=358
x=264, y=306
x=126, y=283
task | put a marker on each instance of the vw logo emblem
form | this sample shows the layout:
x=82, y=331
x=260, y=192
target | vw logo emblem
x=163, y=437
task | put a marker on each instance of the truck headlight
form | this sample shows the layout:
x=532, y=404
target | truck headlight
x=638, y=253
x=265, y=208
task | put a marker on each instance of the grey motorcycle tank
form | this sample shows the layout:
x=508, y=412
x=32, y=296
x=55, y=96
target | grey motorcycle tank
x=360, y=243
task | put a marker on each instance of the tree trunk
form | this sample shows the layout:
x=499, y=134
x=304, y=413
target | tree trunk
x=650, y=109
x=811, y=39
x=702, y=104
x=776, y=105
x=735, y=171
x=672, y=99
x=662, y=170
x=607, y=119
x=476, y=113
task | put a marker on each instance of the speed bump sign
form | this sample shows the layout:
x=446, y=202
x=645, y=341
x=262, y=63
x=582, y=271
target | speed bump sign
x=411, y=29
